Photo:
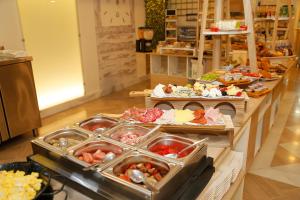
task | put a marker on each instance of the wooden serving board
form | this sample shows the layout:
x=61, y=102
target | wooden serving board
x=144, y=93
x=196, y=99
x=258, y=94
x=239, y=83
x=185, y=127
x=280, y=57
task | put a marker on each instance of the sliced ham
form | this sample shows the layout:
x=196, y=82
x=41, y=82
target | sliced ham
x=142, y=115
x=212, y=115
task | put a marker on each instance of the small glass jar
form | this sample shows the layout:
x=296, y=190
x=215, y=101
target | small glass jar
x=148, y=34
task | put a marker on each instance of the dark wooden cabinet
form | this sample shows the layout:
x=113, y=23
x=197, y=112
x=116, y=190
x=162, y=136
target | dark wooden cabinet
x=19, y=106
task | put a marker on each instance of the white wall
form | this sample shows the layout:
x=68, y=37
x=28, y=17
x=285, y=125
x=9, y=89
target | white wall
x=88, y=44
x=50, y=30
x=10, y=29
x=11, y=37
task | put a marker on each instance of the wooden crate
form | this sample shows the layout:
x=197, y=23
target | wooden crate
x=239, y=105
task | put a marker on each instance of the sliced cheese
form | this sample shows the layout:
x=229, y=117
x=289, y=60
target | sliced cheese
x=183, y=116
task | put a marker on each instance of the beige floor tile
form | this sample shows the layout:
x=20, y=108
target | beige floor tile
x=279, y=175
x=291, y=168
x=260, y=188
x=293, y=148
x=284, y=157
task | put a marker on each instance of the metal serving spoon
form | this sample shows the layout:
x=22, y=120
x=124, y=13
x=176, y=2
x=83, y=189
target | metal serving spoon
x=138, y=177
x=108, y=157
x=137, y=140
x=63, y=142
x=175, y=155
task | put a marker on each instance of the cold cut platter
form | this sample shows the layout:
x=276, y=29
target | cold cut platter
x=176, y=119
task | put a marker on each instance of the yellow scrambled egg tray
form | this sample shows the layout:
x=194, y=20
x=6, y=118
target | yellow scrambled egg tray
x=18, y=185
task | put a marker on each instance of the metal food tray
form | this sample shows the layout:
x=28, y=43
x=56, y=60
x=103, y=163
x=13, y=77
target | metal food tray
x=191, y=158
x=101, y=166
x=108, y=134
x=44, y=140
x=135, y=157
x=95, y=119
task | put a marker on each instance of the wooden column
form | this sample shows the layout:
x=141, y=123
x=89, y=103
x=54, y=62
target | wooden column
x=217, y=39
x=202, y=37
x=250, y=37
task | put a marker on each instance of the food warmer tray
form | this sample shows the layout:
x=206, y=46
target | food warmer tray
x=97, y=124
x=167, y=139
x=95, y=187
x=94, y=184
x=68, y=132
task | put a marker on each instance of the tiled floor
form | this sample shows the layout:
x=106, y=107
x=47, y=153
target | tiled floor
x=275, y=174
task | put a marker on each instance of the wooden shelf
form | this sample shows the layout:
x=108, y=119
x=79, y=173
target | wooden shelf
x=171, y=38
x=171, y=20
x=272, y=19
x=177, y=48
x=171, y=29
x=208, y=32
x=282, y=29
x=278, y=41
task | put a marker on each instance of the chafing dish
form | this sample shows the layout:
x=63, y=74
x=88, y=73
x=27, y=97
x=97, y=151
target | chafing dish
x=91, y=149
x=164, y=186
x=98, y=124
x=164, y=143
x=105, y=180
x=129, y=134
x=62, y=140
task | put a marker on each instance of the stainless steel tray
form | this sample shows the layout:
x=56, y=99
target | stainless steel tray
x=126, y=128
x=45, y=141
x=92, y=124
x=103, y=142
x=166, y=139
x=113, y=171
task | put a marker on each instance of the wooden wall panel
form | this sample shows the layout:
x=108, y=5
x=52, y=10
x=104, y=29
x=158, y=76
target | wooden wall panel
x=116, y=53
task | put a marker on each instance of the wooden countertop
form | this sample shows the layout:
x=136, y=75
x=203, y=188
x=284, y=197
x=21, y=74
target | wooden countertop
x=9, y=61
x=165, y=54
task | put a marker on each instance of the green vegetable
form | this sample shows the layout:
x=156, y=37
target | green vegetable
x=209, y=77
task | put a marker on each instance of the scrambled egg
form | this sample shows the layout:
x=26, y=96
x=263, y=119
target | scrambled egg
x=18, y=186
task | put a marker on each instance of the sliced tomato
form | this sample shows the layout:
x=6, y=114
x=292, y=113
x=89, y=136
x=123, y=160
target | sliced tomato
x=239, y=94
x=157, y=176
x=214, y=29
x=148, y=165
x=132, y=166
x=124, y=177
x=203, y=121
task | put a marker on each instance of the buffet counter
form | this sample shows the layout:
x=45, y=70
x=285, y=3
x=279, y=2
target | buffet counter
x=249, y=137
x=214, y=170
